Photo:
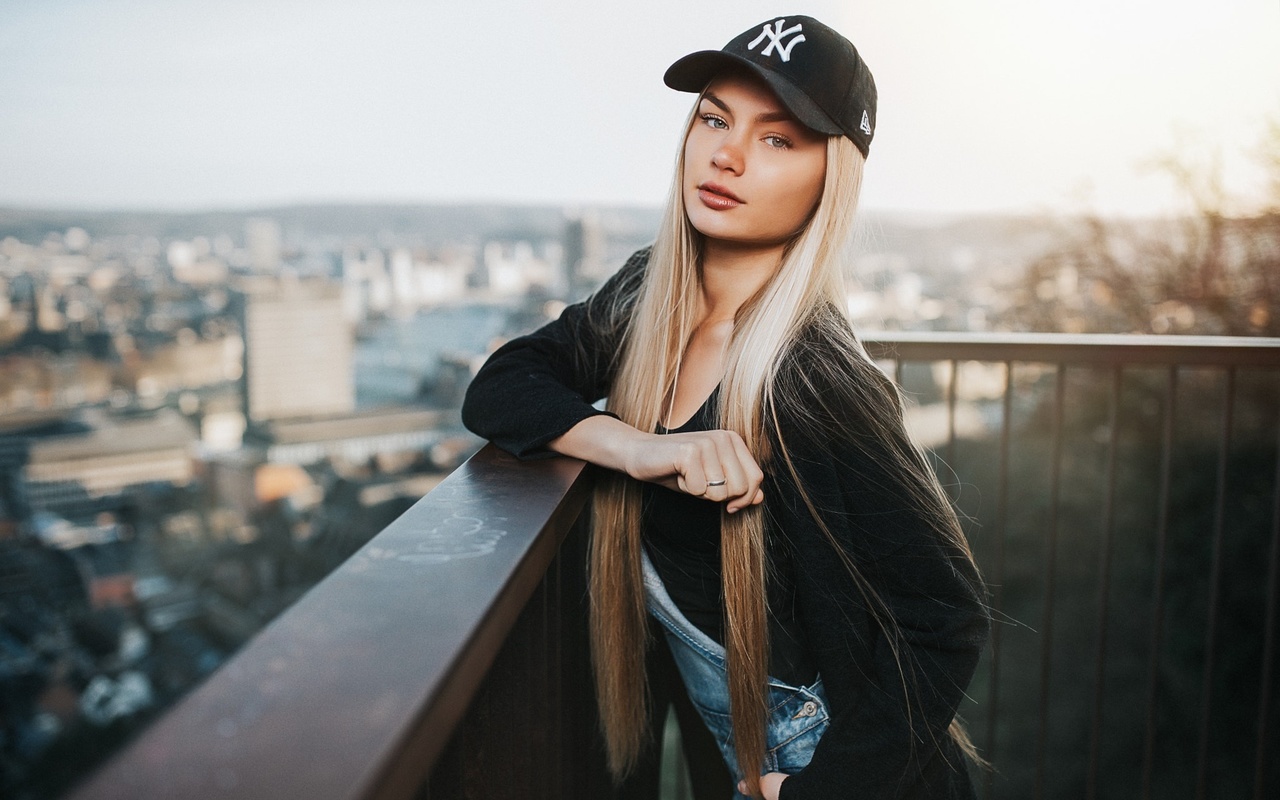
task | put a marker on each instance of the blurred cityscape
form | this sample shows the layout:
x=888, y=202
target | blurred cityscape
x=201, y=415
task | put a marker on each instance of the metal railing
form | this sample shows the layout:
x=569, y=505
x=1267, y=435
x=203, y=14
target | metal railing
x=448, y=657
x=1156, y=364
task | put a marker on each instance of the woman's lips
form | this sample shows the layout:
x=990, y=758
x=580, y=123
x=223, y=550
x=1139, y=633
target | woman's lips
x=715, y=196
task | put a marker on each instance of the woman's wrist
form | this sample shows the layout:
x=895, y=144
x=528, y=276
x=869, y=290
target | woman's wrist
x=602, y=440
x=714, y=465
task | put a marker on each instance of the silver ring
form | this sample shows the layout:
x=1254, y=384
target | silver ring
x=716, y=483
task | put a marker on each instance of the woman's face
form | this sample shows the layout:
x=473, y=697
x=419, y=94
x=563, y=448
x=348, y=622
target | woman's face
x=752, y=173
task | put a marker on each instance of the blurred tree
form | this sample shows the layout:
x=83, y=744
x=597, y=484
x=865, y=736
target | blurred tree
x=1211, y=271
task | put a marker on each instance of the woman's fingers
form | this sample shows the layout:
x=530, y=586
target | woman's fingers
x=748, y=491
x=741, y=474
x=691, y=467
x=704, y=467
x=714, y=465
x=718, y=467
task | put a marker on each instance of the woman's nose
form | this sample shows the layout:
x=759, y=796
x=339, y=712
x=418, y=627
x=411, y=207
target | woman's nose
x=728, y=156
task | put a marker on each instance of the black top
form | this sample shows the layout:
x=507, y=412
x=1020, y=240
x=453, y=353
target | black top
x=879, y=743
x=681, y=534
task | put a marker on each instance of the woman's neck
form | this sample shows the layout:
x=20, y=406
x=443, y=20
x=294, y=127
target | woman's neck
x=731, y=275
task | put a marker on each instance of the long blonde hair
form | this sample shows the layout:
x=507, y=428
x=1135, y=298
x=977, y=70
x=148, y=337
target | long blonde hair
x=660, y=315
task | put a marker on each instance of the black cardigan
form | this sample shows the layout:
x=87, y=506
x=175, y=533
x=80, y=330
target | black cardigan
x=878, y=745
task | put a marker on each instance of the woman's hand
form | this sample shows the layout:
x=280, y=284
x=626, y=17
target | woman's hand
x=715, y=465
x=770, y=784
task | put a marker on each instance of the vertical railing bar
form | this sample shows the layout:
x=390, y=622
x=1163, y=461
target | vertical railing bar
x=1268, y=633
x=556, y=667
x=1215, y=581
x=1046, y=625
x=997, y=591
x=544, y=678
x=897, y=371
x=953, y=383
x=1157, y=613
x=1104, y=581
x=542, y=625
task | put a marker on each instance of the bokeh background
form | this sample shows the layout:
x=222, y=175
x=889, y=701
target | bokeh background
x=251, y=254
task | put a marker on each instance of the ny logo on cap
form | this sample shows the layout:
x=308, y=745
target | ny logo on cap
x=775, y=35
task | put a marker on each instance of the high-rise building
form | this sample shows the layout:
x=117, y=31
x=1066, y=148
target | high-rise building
x=584, y=253
x=298, y=350
x=262, y=240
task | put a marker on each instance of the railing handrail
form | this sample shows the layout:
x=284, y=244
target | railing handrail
x=1085, y=348
x=354, y=691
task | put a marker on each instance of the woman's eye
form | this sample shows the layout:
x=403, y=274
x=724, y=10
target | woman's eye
x=774, y=140
x=713, y=121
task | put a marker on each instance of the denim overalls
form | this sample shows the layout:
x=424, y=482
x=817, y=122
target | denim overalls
x=797, y=716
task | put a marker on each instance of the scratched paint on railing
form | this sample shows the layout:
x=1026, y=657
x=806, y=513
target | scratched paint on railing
x=461, y=534
x=458, y=536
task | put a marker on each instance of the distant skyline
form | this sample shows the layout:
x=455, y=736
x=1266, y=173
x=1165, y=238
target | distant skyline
x=986, y=105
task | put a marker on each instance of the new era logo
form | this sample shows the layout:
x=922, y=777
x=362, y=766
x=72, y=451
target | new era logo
x=866, y=123
x=775, y=35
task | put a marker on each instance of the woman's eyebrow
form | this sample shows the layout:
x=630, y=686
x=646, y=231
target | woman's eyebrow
x=776, y=116
x=768, y=116
x=716, y=101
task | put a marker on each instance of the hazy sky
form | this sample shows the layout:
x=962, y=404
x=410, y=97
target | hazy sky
x=1023, y=105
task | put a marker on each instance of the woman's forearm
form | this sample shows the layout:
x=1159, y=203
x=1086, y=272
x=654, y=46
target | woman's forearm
x=715, y=464
x=602, y=440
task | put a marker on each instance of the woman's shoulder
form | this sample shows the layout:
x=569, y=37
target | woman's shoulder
x=610, y=305
x=825, y=361
x=638, y=260
x=824, y=335
x=827, y=389
x=630, y=275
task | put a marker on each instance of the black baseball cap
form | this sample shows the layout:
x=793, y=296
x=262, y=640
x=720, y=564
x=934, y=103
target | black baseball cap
x=816, y=73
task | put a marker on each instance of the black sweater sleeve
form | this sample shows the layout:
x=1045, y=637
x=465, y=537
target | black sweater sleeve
x=889, y=712
x=536, y=387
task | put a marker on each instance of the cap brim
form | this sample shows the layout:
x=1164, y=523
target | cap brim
x=693, y=72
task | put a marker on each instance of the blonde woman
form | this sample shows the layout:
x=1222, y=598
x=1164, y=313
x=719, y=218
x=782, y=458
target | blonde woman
x=762, y=505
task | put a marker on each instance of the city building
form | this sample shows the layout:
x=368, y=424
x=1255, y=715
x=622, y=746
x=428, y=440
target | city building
x=297, y=350
x=585, y=253
x=78, y=474
x=354, y=438
x=263, y=241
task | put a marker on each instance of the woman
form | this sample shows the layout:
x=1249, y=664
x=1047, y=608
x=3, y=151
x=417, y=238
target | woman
x=761, y=499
